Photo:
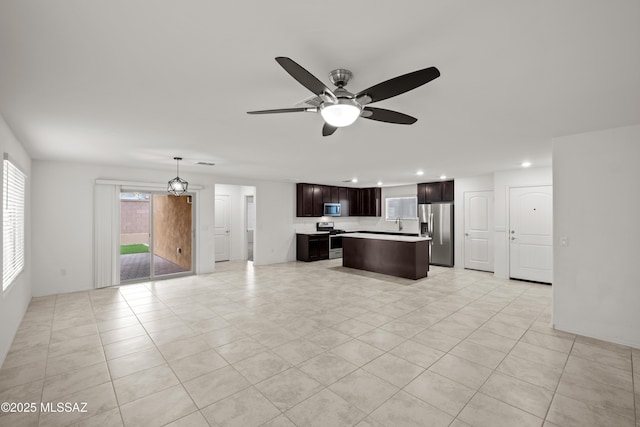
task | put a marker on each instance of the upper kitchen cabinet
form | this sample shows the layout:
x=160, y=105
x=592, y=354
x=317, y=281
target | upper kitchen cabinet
x=345, y=206
x=447, y=191
x=326, y=194
x=354, y=201
x=335, y=195
x=310, y=200
x=370, y=201
x=434, y=192
x=318, y=200
x=304, y=200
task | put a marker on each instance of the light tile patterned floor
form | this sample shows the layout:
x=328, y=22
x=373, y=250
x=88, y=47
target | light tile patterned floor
x=315, y=344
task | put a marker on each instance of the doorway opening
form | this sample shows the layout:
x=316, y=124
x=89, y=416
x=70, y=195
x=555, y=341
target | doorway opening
x=235, y=218
x=156, y=235
x=250, y=223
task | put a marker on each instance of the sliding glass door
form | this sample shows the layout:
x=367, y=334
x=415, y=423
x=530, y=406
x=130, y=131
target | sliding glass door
x=156, y=235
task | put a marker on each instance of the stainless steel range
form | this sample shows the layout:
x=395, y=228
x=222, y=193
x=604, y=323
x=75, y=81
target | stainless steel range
x=335, y=238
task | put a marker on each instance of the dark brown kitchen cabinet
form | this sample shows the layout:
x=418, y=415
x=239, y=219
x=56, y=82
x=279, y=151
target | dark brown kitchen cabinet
x=353, y=201
x=377, y=201
x=344, y=201
x=434, y=192
x=365, y=201
x=312, y=247
x=309, y=200
x=318, y=200
x=304, y=199
x=335, y=195
x=422, y=197
x=370, y=201
x=326, y=195
x=447, y=191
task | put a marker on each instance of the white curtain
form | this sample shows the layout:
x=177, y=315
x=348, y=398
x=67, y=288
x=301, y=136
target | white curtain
x=106, y=235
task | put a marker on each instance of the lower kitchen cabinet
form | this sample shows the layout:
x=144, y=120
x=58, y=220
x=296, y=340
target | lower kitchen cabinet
x=312, y=247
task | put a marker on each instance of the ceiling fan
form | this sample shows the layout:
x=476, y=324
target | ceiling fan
x=340, y=108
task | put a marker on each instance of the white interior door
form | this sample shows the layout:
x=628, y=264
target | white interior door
x=222, y=228
x=478, y=230
x=530, y=233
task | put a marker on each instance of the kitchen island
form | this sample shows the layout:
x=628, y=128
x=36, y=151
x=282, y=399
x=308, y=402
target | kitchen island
x=401, y=256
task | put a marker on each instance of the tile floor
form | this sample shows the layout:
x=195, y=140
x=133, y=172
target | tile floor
x=315, y=344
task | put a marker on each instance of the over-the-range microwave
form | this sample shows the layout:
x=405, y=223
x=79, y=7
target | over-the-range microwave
x=331, y=209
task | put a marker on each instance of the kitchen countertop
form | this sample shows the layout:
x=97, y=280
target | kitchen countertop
x=386, y=237
x=375, y=232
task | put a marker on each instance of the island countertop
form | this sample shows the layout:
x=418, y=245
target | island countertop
x=386, y=237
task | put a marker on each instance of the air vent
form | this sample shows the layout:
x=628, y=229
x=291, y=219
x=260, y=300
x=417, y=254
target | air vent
x=205, y=163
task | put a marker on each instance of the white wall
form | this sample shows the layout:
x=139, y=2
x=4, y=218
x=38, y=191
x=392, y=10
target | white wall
x=596, y=287
x=503, y=181
x=14, y=301
x=237, y=235
x=63, y=221
x=274, y=238
x=461, y=186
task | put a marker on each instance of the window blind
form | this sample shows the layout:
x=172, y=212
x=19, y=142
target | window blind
x=14, y=187
x=401, y=208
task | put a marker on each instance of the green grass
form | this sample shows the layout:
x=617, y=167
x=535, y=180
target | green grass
x=138, y=248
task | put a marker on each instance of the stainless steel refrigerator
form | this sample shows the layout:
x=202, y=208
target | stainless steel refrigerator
x=436, y=221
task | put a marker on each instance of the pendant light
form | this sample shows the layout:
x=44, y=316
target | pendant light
x=177, y=186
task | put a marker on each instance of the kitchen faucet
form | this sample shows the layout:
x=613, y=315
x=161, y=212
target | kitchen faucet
x=399, y=222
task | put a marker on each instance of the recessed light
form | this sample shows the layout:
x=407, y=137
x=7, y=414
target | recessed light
x=420, y=173
x=354, y=179
x=379, y=182
x=526, y=164
x=443, y=176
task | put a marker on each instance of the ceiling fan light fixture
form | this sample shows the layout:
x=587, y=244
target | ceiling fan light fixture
x=342, y=113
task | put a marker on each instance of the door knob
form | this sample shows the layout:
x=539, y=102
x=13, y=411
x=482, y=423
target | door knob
x=466, y=234
x=513, y=231
x=513, y=238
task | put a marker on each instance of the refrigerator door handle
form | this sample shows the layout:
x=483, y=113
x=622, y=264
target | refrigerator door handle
x=431, y=225
x=441, y=225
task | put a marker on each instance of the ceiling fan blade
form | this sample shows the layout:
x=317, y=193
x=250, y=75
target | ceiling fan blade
x=304, y=77
x=327, y=129
x=284, y=110
x=388, y=116
x=397, y=85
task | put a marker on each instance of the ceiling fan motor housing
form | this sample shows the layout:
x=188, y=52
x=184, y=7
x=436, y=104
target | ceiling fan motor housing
x=340, y=77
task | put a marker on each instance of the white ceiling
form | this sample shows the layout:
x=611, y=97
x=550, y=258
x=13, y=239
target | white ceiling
x=135, y=83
